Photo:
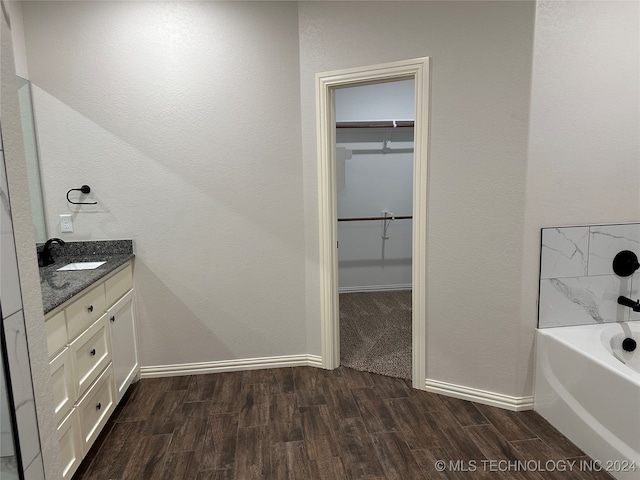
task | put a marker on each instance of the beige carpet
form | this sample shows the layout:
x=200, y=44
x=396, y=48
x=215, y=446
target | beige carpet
x=375, y=332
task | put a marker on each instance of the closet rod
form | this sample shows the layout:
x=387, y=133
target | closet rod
x=384, y=124
x=378, y=150
x=359, y=219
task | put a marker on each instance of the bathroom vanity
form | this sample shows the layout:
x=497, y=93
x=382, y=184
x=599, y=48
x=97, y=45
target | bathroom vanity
x=91, y=338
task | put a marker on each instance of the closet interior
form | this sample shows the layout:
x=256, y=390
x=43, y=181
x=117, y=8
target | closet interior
x=374, y=180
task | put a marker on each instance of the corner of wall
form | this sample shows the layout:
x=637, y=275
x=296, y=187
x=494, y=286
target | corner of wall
x=26, y=257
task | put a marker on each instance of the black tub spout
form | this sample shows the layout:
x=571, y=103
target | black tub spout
x=627, y=302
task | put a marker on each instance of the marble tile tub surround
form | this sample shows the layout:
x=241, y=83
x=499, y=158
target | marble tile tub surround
x=577, y=282
x=58, y=287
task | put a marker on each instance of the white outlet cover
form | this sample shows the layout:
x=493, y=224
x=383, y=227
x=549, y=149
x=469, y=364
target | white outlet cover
x=66, y=224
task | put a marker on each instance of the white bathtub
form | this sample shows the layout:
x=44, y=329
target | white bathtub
x=588, y=388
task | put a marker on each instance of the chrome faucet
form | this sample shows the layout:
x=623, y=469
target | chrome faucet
x=45, y=257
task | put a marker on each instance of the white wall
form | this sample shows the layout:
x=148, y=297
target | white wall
x=184, y=120
x=372, y=181
x=584, y=134
x=481, y=61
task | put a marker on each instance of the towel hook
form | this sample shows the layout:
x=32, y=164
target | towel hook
x=84, y=189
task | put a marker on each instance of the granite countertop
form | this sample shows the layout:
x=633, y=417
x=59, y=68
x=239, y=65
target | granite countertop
x=58, y=287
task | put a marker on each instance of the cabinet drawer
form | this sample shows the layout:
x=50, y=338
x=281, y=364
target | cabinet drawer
x=91, y=353
x=85, y=310
x=119, y=284
x=96, y=407
x=56, y=333
x=70, y=443
x=64, y=390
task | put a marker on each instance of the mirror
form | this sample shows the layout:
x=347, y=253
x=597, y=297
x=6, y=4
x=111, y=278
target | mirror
x=32, y=159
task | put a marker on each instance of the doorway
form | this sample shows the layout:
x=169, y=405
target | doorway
x=374, y=170
x=326, y=87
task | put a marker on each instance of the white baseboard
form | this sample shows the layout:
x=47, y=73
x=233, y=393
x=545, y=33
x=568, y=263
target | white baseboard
x=493, y=399
x=375, y=288
x=515, y=404
x=230, y=365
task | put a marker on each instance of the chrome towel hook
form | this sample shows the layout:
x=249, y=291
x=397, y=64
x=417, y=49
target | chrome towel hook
x=84, y=189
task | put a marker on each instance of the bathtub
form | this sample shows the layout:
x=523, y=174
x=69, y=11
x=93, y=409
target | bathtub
x=588, y=388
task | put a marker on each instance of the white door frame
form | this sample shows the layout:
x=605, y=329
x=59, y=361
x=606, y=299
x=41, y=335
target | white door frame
x=326, y=83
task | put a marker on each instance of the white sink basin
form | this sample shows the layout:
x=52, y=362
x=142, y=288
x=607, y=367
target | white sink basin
x=81, y=266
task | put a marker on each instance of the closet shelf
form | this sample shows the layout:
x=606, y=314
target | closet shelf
x=377, y=124
x=361, y=219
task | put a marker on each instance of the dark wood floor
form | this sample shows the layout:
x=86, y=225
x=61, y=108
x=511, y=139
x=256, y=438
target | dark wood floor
x=307, y=423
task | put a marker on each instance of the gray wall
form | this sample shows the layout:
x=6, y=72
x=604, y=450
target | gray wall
x=184, y=120
x=584, y=134
x=199, y=131
x=480, y=85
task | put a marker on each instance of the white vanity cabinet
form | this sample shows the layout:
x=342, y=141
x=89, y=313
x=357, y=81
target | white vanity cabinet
x=123, y=343
x=70, y=442
x=62, y=378
x=93, y=360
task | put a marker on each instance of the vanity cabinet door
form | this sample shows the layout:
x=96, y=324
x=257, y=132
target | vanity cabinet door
x=64, y=390
x=56, y=332
x=123, y=343
x=91, y=353
x=70, y=442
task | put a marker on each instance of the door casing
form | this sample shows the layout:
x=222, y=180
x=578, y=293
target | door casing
x=417, y=69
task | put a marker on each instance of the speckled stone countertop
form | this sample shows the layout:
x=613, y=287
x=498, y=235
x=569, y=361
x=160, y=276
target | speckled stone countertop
x=58, y=287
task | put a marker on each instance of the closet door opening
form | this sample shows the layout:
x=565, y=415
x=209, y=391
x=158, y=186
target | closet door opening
x=328, y=85
x=374, y=191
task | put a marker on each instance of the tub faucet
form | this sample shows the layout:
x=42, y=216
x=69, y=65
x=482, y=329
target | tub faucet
x=625, y=263
x=627, y=302
x=45, y=257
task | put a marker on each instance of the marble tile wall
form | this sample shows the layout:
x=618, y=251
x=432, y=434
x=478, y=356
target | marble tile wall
x=577, y=282
x=16, y=355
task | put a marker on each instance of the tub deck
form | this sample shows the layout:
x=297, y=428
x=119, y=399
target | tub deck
x=589, y=395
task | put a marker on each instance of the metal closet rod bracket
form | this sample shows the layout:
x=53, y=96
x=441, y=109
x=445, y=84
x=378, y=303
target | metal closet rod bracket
x=84, y=189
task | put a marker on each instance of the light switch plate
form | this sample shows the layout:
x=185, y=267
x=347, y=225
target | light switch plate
x=66, y=224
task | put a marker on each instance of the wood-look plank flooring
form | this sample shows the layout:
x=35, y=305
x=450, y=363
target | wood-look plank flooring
x=312, y=424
